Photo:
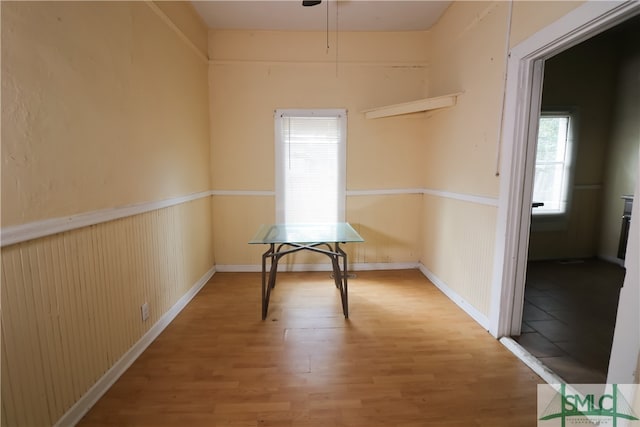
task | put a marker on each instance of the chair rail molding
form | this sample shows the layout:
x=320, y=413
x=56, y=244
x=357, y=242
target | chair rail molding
x=33, y=230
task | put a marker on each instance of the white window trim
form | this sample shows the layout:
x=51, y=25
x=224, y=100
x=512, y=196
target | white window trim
x=279, y=157
x=550, y=221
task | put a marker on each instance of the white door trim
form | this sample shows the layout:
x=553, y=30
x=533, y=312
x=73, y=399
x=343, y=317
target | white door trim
x=522, y=91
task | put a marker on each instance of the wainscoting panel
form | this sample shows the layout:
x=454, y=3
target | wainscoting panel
x=458, y=243
x=71, y=302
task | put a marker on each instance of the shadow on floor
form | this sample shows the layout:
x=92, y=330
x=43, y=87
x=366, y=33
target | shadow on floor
x=569, y=316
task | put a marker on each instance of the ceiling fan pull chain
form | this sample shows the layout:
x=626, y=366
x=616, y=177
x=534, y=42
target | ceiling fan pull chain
x=327, y=26
x=337, y=44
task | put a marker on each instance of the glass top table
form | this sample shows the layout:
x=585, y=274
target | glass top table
x=341, y=232
x=285, y=239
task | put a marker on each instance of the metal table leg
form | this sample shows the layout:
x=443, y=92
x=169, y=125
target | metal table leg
x=266, y=290
x=274, y=254
x=344, y=290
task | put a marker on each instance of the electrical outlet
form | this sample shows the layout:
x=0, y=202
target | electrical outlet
x=144, y=309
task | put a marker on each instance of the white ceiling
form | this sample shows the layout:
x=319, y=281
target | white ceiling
x=352, y=15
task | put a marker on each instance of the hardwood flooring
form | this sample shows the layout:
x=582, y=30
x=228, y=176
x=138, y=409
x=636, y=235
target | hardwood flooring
x=407, y=357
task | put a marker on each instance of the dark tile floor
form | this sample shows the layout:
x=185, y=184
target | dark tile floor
x=569, y=316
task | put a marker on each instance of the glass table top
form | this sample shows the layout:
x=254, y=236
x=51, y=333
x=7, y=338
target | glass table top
x=341, y=232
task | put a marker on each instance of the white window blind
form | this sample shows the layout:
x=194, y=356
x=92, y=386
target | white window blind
x=553, y=164
x=310, y=166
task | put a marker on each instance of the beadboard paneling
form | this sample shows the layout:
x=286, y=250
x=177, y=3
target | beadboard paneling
x=71, y=302
x=458, y=240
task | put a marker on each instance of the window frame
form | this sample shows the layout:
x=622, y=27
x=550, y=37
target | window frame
x=280, y=163
x=548, y=221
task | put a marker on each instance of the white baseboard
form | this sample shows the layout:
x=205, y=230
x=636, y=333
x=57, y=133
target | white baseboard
x=461, y=302
x=283, y=266
x=364, y=266
x=84, y=404
x=453, y=296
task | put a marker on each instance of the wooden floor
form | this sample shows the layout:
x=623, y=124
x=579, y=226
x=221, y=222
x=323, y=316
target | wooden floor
x=406, y=357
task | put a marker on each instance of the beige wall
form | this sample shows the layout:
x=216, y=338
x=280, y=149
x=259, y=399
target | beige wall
x=529, y=17
x=185, y=17
x=254, y=73
x=468, y=55
x=622, y=163
x=458, y=247
x=582, y=79
x=461, y=146
x=104, y=105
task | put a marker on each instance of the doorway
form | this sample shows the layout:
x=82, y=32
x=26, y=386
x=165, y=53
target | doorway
x=523, y=104
x=574, y=269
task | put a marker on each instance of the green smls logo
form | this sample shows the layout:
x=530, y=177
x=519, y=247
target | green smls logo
x=597, y=408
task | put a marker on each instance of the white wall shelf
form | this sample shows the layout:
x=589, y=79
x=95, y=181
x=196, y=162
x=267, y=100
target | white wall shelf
x=425, y=104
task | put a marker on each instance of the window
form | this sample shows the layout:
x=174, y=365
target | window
x=310, y=165
x=553, y=164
